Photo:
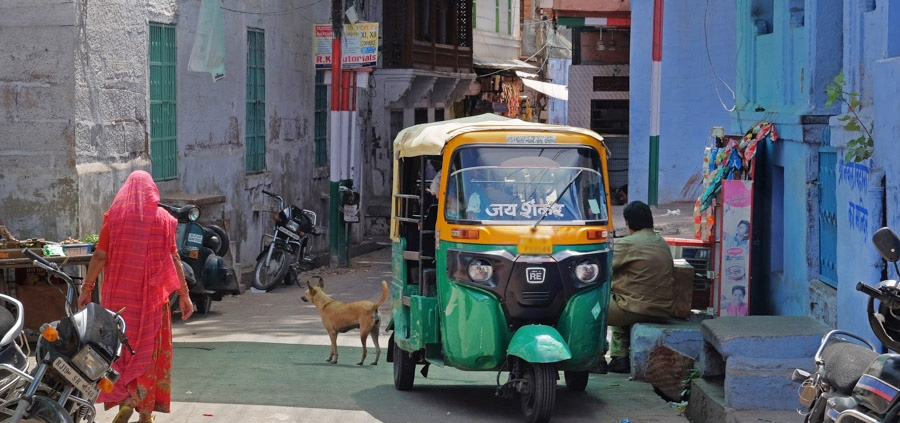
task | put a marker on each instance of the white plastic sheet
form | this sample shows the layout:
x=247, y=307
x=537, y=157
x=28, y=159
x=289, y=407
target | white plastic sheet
x=208, y=52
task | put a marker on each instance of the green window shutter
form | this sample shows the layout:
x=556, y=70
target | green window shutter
x=496, y=15
x=163, y=110
x=255, y=138
x=509, y=10
x=474, y=13
x=321, y=119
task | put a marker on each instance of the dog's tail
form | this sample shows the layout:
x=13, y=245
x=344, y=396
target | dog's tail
x=384, y=295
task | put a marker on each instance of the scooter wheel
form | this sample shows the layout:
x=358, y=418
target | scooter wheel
x=202, y=303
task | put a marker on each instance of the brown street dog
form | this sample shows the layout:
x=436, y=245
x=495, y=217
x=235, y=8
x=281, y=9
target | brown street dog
x=338, y=317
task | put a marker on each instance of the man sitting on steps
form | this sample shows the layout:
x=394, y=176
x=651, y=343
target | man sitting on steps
x=643, y=279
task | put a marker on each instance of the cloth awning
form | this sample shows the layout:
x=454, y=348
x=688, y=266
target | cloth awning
x=553, y=90
x=505, y=64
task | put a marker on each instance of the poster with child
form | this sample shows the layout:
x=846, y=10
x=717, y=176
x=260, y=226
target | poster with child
x=734, y=271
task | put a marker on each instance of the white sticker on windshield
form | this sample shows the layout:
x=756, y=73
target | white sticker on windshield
x=531, y=139
x=595, y=207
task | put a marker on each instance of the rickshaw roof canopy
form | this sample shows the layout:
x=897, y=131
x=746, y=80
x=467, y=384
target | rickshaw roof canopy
x=428, y=139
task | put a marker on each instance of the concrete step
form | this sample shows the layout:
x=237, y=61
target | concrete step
x=680, y=335
x=764, y=336
x=707, y=405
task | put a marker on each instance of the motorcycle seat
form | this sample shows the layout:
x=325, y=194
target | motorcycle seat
x=845, y=362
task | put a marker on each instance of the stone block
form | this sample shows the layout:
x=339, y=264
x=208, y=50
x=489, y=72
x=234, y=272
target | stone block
x=762, y=383
x=681, y=336
x=667, y=370
x=764, y=336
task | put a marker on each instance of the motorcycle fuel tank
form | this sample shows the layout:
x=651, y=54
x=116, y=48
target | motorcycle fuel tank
x=878, y=387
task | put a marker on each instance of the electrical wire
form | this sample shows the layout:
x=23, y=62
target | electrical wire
x=713, y=68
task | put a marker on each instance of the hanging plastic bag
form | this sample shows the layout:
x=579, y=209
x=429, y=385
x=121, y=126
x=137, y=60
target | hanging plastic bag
x=208, y=52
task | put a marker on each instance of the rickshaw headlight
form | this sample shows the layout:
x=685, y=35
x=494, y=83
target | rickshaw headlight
x=480, y=270
x=587, y=271
x=193, y=214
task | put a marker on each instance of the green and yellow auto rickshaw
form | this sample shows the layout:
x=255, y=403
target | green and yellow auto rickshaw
x=505, y=267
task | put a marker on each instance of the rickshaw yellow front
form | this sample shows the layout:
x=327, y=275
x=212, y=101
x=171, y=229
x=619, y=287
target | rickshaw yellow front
x=506, y=265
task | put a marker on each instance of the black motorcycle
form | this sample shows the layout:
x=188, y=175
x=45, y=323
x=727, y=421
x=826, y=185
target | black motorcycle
x=285, y=252
x=74, y=358
x=853, y=382
x=201, y=248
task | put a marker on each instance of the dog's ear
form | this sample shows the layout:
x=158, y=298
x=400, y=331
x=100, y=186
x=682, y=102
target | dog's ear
x=321, y=283
x=309, y=285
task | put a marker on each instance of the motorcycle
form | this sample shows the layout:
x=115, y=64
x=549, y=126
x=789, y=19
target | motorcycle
x=853, y=381
x=13, y=360
x=74, y=358
x=286, y=251
x=201, y=248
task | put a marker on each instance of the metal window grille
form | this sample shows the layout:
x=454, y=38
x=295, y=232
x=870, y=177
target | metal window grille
x=163, y=110
x=321, y=122
x=256, y=101
x=827, y=215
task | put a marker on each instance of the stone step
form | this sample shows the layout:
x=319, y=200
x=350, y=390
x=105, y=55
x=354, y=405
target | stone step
x=763, y=383
x=764, y=336
x=707, y=405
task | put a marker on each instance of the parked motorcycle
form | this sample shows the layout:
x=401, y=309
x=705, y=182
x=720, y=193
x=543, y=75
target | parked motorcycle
x=285, y=252
x=853, y=382
x=13, y=360
x=74, y=358
x=201, y=248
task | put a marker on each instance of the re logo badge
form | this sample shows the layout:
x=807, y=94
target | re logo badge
x=534, y=274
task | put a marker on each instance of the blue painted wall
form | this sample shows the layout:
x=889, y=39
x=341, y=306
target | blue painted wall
x=698, y=74
x=789, y=51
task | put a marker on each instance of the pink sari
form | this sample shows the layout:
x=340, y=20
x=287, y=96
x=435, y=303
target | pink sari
x=139, y=275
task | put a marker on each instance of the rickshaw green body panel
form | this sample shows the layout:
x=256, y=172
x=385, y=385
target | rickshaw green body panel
x=539, y=344
x=467, y=324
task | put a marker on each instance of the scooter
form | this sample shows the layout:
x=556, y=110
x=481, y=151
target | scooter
x=74, y=362
x=285, y=252
x=201, y=248
x=853, y=382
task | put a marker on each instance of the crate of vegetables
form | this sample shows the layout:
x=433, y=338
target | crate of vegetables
x=77, y=249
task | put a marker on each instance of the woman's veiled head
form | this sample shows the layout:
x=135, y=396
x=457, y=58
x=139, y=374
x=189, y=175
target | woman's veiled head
x=139, y=195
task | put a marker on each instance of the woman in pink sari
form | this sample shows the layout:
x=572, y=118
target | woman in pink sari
x=141, y=268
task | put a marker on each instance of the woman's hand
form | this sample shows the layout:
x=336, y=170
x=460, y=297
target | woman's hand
x=85, y=297
x=186, y=306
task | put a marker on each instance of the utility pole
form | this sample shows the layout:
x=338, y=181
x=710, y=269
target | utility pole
x=337, y=236
x=655, y=81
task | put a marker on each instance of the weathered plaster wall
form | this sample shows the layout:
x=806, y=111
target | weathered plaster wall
x=38, y=189
x=698, y=69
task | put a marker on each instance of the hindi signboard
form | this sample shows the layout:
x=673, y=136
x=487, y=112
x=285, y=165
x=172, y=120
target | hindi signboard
x=359, y=45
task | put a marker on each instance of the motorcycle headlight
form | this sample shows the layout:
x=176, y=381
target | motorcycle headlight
x=193, y=214
x=587, y=271
x=293, y=226
x=480, y=270
x=91, y=363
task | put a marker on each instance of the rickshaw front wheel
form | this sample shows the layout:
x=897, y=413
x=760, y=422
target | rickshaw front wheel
x=404, y=369
x=539, y=396
x=576, y=381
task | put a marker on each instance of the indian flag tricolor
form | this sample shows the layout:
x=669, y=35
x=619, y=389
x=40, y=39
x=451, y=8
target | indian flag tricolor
x=655, y=72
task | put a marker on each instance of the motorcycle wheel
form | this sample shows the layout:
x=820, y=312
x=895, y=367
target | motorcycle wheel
x=223, y=239
x=43, y=410
x=576, y=381
x=404, y=369
x=539, y=395
x=267, y=277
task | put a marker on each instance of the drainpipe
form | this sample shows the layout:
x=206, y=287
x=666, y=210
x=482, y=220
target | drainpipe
x=655, y=76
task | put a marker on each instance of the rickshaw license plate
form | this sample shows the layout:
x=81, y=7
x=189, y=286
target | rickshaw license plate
x=535, y=244
x=89, y=390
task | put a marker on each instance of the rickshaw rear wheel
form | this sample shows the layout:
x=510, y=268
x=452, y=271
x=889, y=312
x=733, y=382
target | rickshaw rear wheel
x=539, y=396
x=404, y=369
x=576, y=381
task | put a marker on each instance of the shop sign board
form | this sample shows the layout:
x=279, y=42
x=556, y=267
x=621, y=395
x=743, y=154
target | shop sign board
x=359, y=45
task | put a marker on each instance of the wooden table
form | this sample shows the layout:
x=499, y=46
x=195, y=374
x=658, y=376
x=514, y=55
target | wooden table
x=42, y=302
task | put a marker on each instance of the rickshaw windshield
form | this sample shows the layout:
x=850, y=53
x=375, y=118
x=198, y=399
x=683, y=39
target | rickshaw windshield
x=513, y=185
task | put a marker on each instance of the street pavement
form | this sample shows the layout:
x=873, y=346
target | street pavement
x=260, y=357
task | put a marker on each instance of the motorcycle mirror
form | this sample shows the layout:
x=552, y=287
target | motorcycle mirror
x=887, y=243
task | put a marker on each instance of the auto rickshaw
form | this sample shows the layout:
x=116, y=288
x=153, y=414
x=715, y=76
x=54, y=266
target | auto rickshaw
x=506, y=267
